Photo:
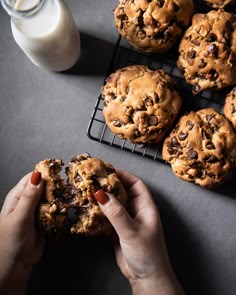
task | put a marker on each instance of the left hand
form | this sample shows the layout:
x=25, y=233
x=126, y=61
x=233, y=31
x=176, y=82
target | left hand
x=21, y=246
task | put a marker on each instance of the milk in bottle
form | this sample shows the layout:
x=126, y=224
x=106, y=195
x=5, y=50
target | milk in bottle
x=45, y=30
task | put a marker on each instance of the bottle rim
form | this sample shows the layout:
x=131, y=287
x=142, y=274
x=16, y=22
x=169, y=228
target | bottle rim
x=8, y=5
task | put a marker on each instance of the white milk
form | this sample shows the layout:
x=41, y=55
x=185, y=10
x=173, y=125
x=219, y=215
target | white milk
x=49, y=37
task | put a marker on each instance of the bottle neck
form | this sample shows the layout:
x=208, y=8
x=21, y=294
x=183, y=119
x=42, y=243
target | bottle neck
x=22, y=8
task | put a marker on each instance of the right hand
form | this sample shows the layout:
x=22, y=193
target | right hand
x=140, y=248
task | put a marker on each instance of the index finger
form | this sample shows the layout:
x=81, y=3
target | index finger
x=142, y=205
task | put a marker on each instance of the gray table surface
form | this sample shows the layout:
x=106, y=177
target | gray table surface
x=44, y=114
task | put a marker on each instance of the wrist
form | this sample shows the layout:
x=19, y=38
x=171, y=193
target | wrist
x=165, y=284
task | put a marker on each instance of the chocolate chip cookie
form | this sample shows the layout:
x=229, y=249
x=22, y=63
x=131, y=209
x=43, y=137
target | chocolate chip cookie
x=70, y=205
x=208, y=51
x=202, y=148
x=219, y=3
x=152, y=25
x=140, y=104
x=230, y=107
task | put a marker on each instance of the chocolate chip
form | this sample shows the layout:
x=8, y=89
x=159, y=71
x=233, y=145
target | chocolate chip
x=183, y=135
x=109, y=170
x=173, y=146
x=137, y=133
x=173, y=20
x=139, y=20
x=210, y=146
x=58, y=193
x=211, y=159
x=205, y=135
x=160, y=3
x=209, y=117
x=195, y=42
x=176, y=7
x=167, y=36
x=214, y=74
x=181, y=69
x=141, y=34
x=156, y=98
x=192, y=154
x=191, y=54
x=148, y=101
x=152, y=120
x=80, y=158
x=212, y=175
x=75, y=191
x=212, y=49
x=222, y=162
x=190, y=124
x=117, y=123
x=232, y=108
x=78, y=177
x=176, y=129
x=202, y=64
x=211, y=38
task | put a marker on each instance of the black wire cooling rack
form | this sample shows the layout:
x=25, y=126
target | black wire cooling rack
x=125, y=55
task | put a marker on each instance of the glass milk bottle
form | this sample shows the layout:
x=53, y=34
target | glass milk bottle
x=45, y=31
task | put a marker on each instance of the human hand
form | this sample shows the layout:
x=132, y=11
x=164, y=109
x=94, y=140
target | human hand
x=20, y=244
x=140, y=249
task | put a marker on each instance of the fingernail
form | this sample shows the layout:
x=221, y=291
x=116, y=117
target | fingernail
x=35, y=177
x=101, y=197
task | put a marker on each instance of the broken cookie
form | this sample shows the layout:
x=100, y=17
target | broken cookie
x=70, y=206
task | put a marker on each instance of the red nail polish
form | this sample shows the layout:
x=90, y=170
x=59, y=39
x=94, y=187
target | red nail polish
x=35, y=177
x=101, y=197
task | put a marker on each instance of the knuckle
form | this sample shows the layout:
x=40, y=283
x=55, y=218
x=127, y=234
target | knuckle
x=117, y=213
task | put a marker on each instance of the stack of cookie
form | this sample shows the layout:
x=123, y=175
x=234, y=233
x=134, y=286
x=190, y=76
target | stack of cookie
x=141, y=105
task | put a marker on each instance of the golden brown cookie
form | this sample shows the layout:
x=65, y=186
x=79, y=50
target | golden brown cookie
x=140, y=104
x=202, y=148
x=208, y=51
x=70, y=205
x=152, y=25
x=230, y=107
x=219, y=3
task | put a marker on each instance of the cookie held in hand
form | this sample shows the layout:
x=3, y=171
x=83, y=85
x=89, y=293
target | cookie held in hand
x=140, y=104
x=70, y=206
x=202, y=148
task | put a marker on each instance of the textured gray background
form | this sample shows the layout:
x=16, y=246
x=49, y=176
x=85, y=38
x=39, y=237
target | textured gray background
x=45, y=114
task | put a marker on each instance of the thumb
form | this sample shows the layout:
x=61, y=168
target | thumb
x=117, y=215
x=30, y=196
